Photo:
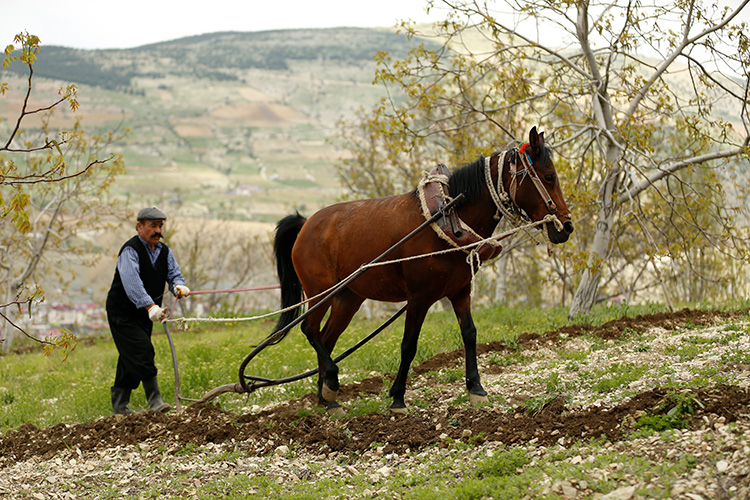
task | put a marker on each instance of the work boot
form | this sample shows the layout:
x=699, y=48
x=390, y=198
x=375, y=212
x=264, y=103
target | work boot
x=153, y=396
x=120, y=400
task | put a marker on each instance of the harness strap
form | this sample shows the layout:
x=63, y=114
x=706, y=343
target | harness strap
x=505, y=203
x=433, y=195
x=513, y=186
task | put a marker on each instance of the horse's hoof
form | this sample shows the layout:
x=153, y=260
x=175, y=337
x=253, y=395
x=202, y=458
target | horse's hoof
x=335, y=411
x=477, y=399
x=400, y=411
x=328, y=394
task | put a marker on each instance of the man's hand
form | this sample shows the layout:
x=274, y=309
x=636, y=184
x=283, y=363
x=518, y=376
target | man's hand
x=181, y=291
x=156, y=313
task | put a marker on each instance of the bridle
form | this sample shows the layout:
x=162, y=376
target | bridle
x=506, y=201
x=531, y=172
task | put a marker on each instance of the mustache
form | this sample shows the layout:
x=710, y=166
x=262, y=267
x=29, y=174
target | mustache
x=158, y=235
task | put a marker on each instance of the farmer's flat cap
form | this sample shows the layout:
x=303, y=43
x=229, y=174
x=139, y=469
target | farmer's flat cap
x=151, y=213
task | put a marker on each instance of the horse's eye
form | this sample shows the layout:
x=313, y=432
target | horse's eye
x=549, y=178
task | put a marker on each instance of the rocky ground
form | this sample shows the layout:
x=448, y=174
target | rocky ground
x=574, y=393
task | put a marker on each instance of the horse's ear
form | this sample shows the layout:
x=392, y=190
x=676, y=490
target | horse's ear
x=534, y=139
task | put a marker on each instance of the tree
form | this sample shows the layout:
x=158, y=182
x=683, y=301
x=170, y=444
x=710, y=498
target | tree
x=54, y=188
x=636, y=93
x=222, y=257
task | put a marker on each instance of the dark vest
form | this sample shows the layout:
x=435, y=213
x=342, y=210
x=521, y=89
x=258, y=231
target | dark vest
x=154, y=277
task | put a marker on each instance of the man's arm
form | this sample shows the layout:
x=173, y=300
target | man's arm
x=175, y=277
x=129, y=268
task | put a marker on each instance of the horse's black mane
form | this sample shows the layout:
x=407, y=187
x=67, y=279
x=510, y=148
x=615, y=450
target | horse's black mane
x=470, y=178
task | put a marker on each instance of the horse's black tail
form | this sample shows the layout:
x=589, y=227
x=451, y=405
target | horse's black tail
x=291, y=289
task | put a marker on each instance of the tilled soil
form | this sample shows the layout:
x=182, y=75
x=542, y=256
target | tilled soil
x=298, y=424
x=284, y=425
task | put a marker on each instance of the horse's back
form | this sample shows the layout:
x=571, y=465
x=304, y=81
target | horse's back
x=364, y=227
x=338, y=239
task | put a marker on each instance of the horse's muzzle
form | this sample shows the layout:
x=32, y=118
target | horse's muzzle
x=556, y=236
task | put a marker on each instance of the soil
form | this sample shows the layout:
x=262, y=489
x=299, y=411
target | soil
x=298, y=423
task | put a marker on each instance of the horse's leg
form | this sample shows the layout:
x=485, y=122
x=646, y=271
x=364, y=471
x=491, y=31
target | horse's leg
x=343, y=308
x=311, y=328
x=462, y=308
x=415, y=315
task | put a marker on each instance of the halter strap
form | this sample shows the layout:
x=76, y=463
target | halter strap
x=529, y=168
x=506, y=201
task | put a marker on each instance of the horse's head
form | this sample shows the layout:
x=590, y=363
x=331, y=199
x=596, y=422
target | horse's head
x=535, y=189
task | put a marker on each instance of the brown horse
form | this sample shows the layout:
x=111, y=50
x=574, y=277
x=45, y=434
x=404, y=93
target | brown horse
x=317, y=253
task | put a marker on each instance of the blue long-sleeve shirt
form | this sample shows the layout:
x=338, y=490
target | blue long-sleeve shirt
x=128, y=266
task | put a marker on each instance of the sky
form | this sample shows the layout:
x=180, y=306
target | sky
x=107, y=24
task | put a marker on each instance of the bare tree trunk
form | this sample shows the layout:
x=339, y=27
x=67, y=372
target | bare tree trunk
x=586, y=292
x=585, y=295
x=501, y=280
x=604, y=117
x=7, y=332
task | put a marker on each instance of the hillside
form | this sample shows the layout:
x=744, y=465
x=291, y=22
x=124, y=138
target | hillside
x=221, y=118
x=217, y=56
x=224, y=126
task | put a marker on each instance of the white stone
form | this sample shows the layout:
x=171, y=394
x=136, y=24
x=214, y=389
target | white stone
x=384, y=471
x=282, y=450
x=624, y=493
x=569, y=490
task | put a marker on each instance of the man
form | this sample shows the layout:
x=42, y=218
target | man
x=144, y=266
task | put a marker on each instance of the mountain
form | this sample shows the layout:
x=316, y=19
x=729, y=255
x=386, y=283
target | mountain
x=217, y=56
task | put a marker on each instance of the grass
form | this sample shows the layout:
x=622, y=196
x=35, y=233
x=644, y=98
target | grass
x=455, y=471
x=45, y=390
x=615, y=376
x=673, y=413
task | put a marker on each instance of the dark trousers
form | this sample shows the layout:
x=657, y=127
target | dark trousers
x=133, y=341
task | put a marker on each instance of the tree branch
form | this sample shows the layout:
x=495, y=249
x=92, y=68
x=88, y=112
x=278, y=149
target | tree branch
x=42, y=178
x=676, y=166
x=677, y=52
x=18, y=328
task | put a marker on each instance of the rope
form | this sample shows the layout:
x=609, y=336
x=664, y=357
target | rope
x=501, y=199
x=428, y=178
x=229, y=290
x=473, y=254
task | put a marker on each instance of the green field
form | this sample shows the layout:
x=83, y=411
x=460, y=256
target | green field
x=45, y=390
